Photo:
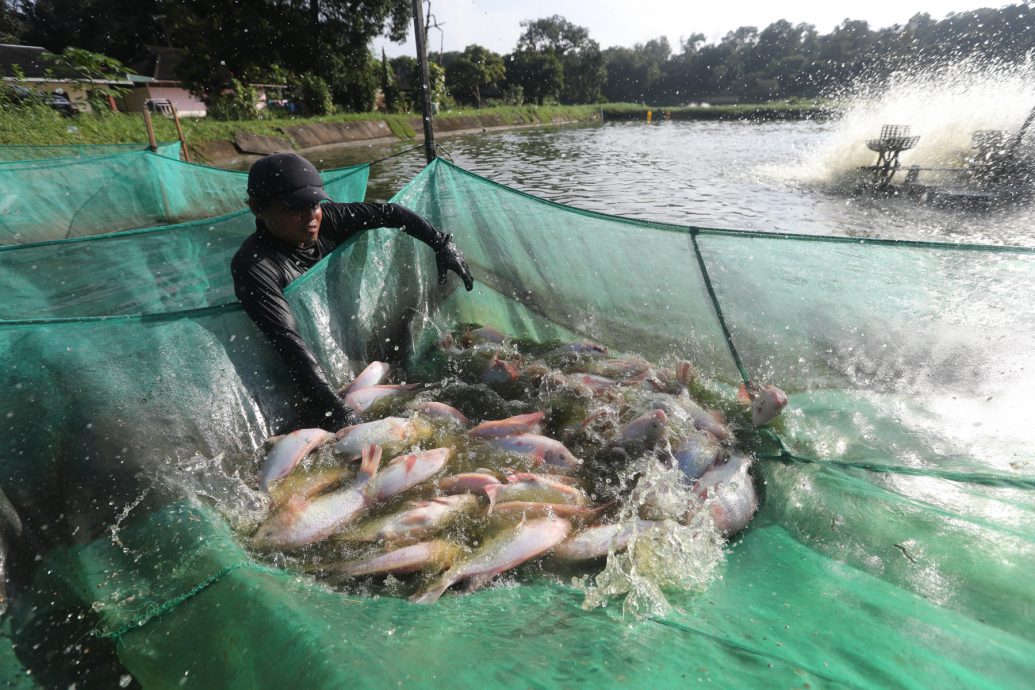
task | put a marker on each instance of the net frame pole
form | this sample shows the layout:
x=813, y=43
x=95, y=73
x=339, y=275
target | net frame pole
x=179, y=132
x=425, y=88
x=150, y=130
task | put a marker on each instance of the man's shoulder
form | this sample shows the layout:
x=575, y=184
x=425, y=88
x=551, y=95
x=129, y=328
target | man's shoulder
x=252, y=255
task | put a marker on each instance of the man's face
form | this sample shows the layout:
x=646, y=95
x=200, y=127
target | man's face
x=296, y=226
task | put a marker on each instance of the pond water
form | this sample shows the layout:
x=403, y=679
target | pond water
x=779, y=176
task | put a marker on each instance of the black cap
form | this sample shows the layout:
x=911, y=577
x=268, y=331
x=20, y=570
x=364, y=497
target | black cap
x=288, y=177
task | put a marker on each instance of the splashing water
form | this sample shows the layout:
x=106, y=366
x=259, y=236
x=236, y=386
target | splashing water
x=668, y=556
x=944, y=106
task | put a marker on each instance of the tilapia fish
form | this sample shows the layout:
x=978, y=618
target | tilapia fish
x=303, y=522
x=508, y=550
x=428, y=556
x=420, y=520
x=288, y=451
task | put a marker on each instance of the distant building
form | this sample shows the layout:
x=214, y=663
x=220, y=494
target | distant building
x=30, y=66
x=156, y=80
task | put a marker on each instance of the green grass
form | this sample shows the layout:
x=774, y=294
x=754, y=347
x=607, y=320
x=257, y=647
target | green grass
x=41, y=125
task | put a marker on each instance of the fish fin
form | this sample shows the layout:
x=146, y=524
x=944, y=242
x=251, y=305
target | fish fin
x=477, y=582
x=520, y=477
x=371, y=461
x=538, y=456
x=432, y=593
x=744, y=395
x=491, y=490
x=411, y=462
x=685, y=372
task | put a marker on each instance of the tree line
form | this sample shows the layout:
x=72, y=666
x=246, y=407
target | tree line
x=320, y=47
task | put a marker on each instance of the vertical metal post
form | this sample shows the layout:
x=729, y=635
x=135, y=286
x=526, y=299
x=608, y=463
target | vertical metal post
x=179, y=131
x=425, y=88
x=150, y=129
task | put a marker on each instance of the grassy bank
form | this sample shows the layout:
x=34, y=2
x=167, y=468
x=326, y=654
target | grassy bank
x=774, y=110
x=44, y=126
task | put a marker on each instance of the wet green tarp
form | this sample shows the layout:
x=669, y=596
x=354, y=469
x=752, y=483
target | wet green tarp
x=894, y=547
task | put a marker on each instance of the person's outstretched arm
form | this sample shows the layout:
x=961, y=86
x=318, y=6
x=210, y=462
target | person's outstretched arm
x=341, y=221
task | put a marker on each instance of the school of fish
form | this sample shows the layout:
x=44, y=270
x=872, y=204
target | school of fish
x=512, y=452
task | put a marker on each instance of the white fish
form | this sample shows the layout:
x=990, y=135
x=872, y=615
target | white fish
x=304, y=522
x=420, y=520
x=542, y=448
x=511, y=548
x=428, y=556
x=372, y=375
x=361, y=400
x=288, y=451
x=407, y=471
x=353, y=439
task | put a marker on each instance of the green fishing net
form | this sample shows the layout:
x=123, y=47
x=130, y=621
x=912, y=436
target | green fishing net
x=894, y=546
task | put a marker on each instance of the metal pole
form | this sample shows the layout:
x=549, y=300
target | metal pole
x=425, y=88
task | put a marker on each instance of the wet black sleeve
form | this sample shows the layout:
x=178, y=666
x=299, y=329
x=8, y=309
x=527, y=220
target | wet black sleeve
x=342, y=221
x=258, y=286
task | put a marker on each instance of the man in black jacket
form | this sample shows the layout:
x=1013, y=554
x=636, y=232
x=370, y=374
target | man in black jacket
x=294, y=231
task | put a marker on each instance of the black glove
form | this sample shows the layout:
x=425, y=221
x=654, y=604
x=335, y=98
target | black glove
x=449, y=258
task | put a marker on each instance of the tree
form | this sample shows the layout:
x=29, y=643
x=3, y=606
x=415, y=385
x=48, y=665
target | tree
x=476, y=68
x=119, y=28
x=327, y=37
x=539, y=75
x=582, y=63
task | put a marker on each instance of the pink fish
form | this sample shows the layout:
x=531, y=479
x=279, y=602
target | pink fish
x=407, y=471
x=521, y=424
x=510, y=549
x=499, y=371
x=418, y=521
x=595, y=384
x=303, y=522
x=288, y=451
x=766, y=403
x=468, y=482
x=525, y=486
x=597, y=542
x=648, y=429
x=541, y=448
x=372, y=375
x=439, y=410
x=728, y=491
x=527, y=510
x=427, y=556
x=361, y=400
x=697, y=453
x=485, y=334
x=305, y=484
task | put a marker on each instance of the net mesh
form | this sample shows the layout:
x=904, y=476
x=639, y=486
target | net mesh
x=893, y=549
x=58, y=198
x=32, y=152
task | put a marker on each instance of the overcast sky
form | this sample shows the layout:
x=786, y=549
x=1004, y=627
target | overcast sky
x=496, y=24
